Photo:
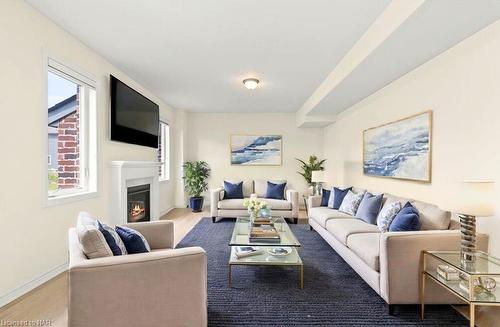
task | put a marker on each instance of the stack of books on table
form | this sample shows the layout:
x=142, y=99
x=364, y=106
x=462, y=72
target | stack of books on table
x=264, y=233
x=262, y=221
x=247, y=251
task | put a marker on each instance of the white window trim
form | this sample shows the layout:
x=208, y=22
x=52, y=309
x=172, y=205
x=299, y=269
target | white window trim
x=167, y=164
x=88, y=79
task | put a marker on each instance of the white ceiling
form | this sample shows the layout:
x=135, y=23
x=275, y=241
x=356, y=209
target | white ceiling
x=195, y=53
x=433, y=28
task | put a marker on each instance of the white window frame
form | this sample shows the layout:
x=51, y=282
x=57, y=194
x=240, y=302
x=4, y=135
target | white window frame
x=88, y=132
x=165, y=152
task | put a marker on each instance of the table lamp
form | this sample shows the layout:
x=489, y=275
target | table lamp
x=317, y=177
x=472, y=199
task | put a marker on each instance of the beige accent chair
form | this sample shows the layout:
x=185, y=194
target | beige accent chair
x=231, y=208
x=390, y=262
x=165, y=287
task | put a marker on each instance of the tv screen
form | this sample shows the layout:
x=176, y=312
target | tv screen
x=134, y=118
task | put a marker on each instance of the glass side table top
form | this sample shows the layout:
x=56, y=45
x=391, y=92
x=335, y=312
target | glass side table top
x=241, y=233
x=484, y=264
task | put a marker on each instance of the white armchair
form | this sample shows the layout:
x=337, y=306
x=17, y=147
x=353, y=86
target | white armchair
x=164, y=287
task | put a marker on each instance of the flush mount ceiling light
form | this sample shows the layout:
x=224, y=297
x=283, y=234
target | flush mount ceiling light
x=250, y=83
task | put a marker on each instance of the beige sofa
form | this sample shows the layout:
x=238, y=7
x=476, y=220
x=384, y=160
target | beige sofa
x=165, y=287
x=230, y=208
x=389, y=262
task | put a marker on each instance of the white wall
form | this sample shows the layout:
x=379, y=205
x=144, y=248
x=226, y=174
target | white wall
x=462, y=87
x=34, y=239
x=209, y=141
x=182, y=134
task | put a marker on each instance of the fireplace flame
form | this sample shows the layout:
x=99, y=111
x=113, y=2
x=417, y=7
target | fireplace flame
x=136, y=211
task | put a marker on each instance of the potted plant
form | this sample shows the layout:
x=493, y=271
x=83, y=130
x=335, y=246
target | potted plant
x=195, y=182
x=309, y=167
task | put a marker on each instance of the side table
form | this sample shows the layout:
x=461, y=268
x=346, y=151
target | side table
x=476, y=284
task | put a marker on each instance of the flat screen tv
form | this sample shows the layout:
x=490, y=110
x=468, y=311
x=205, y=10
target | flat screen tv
x=134, y=118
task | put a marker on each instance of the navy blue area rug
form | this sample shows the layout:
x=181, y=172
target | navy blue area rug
x=333, y=294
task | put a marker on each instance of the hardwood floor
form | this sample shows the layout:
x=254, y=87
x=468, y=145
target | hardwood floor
x=50, y=300
x=46, y=302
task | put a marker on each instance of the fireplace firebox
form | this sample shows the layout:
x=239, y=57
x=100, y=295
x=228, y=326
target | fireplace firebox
x=138, y=203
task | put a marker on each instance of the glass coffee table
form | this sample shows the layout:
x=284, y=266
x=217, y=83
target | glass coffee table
x=240, y=237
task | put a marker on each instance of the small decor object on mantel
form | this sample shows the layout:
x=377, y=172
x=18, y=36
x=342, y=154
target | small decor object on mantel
x=400, y=149
x=195, y=182
x=256, y=150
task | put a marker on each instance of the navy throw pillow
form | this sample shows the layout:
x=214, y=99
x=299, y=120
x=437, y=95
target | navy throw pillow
x=133, y=240
x=233, y=191
x=369, y=208
x=339, y=196
x=406, y=220
x=275, y=191
x=325, y=196
x=112, y=238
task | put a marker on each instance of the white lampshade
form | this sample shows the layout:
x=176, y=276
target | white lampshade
x=474, y=198
x=317, y=176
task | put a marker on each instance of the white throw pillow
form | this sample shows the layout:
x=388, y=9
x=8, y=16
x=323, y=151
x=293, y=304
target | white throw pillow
x=91, y=239
x=351, y=202
x=387, y=214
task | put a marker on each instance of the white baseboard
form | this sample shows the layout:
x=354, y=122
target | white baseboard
x=23, y=289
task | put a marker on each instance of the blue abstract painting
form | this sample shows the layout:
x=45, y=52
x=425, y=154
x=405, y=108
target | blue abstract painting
x=257, y=150
x=400, y=149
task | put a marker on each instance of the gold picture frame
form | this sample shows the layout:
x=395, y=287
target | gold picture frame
x=267, y=155
x=418, y=155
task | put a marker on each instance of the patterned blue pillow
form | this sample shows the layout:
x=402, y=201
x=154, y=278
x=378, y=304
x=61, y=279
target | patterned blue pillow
x=351, y=202
x=114, y=241
x=387, y=214
x=325, y=196
x=133, y=240
x=406, y=220
x=338, y=197
x=233, y=191
x=275, y=191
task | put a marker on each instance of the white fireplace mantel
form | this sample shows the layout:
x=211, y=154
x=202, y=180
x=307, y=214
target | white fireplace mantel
x=126, y=174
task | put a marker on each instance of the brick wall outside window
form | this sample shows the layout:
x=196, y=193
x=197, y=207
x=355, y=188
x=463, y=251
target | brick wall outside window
x=68, y=154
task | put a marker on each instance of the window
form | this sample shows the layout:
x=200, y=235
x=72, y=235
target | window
x=164, y=151
x=71, y=132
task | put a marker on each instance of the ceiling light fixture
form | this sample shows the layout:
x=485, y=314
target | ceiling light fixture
x=251, y=83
